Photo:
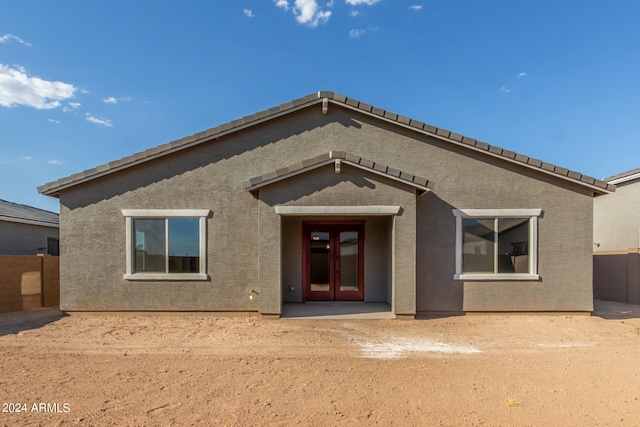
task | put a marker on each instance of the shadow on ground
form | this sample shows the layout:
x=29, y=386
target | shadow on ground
x=615, y=310
x=13, y=323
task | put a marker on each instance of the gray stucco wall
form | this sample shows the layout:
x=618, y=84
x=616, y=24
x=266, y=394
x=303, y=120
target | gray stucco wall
x=24, y=239
x=616, y=218
x=210, y=176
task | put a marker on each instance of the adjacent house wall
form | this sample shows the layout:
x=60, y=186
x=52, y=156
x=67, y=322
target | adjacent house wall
x=616, y=218
x=616, y=236
x=244, y=231
x=24, y=239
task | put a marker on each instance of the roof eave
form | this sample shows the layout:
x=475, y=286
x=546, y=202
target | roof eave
x=325, y=97
x=52, y=190
x=29, y=221
x=623, y=179
x=468, y=143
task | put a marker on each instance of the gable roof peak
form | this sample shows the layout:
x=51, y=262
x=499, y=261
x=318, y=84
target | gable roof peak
x=328, y=97
x=338, y=157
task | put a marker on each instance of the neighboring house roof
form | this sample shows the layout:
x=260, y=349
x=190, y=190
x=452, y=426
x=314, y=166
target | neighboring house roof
x=624, y=177
x=324, y=98
x=14, y=212
x=337, y=158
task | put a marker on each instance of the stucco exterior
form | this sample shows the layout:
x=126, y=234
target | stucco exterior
x=616, y=237
x=616, y=223
x=409, y=259
x=26, y=239
x=25, y=230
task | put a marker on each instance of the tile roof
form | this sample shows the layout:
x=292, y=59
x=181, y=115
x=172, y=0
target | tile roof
x=624, y=177
x=14, y=212
x=338, y=157
x=324, y=98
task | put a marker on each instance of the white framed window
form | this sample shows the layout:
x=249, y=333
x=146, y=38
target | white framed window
x=497, y=244
x=166, y=244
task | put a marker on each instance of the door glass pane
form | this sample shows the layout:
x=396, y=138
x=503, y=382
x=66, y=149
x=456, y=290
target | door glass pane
x=513, y=245
x=348, y=260
x=149, y=244
x=184, y=245
x=478, y=245
x=320, y=262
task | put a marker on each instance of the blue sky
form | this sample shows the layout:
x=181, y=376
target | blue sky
x=84, y=83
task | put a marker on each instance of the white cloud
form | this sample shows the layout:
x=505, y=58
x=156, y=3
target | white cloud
x=249, y=13
x=54, y=162
x=354, y=13
x=97, y=120
x=359, y=2
x=522, y=74
x=54, y=121
x=8, y=37
x=356, y=34
x=308, y=12
x=72, y=106
x=18, y=88
x=505, y=89
x=114, y=100
x=416, y=7
x=26, y=158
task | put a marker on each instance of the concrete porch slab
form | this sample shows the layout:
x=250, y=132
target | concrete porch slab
x=336, y=310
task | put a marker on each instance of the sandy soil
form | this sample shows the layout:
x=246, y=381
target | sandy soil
x=477, y=370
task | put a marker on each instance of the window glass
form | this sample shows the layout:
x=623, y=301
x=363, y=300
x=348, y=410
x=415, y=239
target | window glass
x=184, y=245
x=349, y=261
x=478, y=245
x=480, y=253
x=150, y=245
x=320, y=262
x=513, y=245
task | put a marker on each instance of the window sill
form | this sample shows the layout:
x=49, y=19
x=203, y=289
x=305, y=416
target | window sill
x=166, y=277
x=493, y=277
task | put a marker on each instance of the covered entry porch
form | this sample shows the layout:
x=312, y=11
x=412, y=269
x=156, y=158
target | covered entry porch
x=315, y=201
x=354, y=274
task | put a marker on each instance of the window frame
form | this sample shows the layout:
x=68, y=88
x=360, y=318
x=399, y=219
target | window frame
x=131, y=214
x=532, y=214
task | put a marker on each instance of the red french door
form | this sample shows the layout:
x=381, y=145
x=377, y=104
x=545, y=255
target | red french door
x=333, y=261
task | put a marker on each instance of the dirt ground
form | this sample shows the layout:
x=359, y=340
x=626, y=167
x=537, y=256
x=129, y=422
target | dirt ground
x=475, y=370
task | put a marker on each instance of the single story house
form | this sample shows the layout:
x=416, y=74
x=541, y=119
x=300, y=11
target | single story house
x=25, y=230
x=326, y=198
x=616, y=237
